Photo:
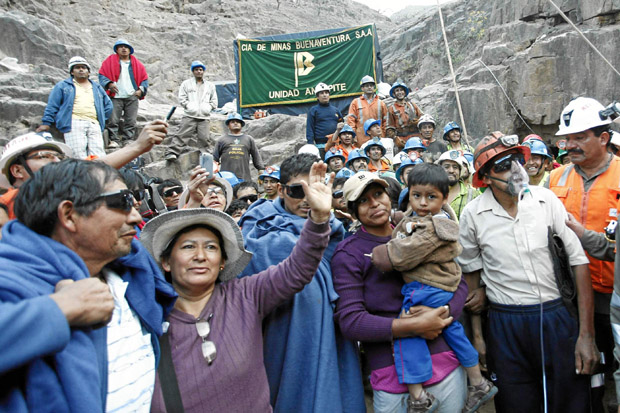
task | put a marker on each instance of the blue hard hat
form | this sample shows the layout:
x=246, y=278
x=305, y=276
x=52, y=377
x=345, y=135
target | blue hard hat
x=398, y=84
x=122, y=42
x=234, y=116
x=355, y=154
x=368, y=124
x=537, y=147
x=407, y=162
x=230, y=177
x=450, y=126
x=414, y=143
x=347, y=128
x=197, y=63
x=469, y=156
x=375, y=142
x=334, y=154
x=345, y=173
x=270, y=172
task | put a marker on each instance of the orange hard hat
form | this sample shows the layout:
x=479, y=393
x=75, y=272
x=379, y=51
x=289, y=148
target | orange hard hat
x=489, y=147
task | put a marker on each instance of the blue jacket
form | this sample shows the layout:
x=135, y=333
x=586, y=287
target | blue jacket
x=310, y=366
x=60, y=105
x=46, y=366
x=322, y=120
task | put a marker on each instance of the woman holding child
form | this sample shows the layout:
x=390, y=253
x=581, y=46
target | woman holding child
x=370, y=303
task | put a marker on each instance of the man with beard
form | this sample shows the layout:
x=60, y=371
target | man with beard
x=461, y=193
x=79, y=108
x=198, y=98
x=588, y=188
x=539, y=161
x=434, y=148
x=357, y=161
x=233, y=151
x=403, y=115
x=504, y=240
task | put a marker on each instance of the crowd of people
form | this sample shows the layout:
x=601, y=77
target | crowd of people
x=377, y=261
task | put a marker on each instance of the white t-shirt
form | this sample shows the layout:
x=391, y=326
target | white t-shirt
x=125, y=87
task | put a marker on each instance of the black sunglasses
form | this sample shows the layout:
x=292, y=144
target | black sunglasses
x=171, y=191
x=504, y=164
x=122, y=199
x=337, y=194
x=139, y=195
x=249, y=198
x=295, y=191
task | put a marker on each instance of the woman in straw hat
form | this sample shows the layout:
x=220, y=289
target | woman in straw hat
x=212, y=352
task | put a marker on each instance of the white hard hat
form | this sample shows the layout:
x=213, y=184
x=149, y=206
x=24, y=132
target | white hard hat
x=580, y=115
x=321, y=87
x=367, y=79
x=22, y=145
x=455, y=156
x=426, y=118
x=309, y=148
x=615, y=138
x=78, y=60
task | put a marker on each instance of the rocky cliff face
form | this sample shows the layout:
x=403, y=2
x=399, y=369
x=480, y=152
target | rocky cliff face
x=539, y=60
x=537, y=57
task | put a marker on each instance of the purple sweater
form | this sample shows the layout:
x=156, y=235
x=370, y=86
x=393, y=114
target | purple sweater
x=236, y=380
x=370, y=300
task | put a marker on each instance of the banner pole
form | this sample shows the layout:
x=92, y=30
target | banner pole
x=456, y=89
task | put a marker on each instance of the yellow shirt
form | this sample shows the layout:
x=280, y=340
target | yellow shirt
x=84, y=103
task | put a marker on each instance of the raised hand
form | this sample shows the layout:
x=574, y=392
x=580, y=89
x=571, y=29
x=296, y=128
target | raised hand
x=198, y=184
x=318, y=193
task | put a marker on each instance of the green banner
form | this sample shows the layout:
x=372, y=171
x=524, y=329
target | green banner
x=286, y=72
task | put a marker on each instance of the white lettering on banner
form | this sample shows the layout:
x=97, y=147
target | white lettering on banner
x=323, y=41
x=278, y=47
x=261, y=47
x=279, y=94
x=359, y=34
x=303, y=65
x=246, y=47
x=336, y=87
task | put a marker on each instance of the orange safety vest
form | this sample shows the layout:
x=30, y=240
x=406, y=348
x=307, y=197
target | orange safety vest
x=594, y=209
x=360, y=111
x=8, y=199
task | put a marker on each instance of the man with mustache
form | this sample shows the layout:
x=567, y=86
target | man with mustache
x=588, y=188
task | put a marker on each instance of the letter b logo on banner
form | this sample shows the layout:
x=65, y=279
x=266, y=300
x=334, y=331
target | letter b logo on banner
x=303, y=65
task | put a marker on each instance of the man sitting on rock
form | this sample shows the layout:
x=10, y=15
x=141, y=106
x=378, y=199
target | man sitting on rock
x=234, y=149
x=126, y=81
x=198, y=98
x=79, y=108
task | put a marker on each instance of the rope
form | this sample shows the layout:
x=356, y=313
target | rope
x=456, y=89
x=565, y=17
x=506, y=94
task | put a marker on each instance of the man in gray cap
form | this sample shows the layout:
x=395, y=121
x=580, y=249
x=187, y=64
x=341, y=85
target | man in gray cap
x=79, y=108
x=198, y=98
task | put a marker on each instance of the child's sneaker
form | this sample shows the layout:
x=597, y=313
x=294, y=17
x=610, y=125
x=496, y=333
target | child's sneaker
x=426, y=403
x=479, y=395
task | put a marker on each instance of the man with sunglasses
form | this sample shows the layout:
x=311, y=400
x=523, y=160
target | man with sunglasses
x=246, y=191
x=503, y=233
x=589, y=188
x=75, y=222
x=298, y=332
x=26, y=154
x=170, y=192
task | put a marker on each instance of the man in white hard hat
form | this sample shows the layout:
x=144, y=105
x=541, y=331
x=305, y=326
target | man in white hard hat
x=79, y=108
x=198, y=98
x=26, y=154
x=588, y=188
x=434, y=147
x=461, y=192
x=367, y=106
x=322, y=120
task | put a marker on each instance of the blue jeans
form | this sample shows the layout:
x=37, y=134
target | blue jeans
x=451, y=393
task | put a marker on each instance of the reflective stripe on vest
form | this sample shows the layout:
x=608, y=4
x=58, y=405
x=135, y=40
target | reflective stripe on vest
x=594, y=209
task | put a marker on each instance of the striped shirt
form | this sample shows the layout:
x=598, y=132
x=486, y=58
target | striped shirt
x=131, y=360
